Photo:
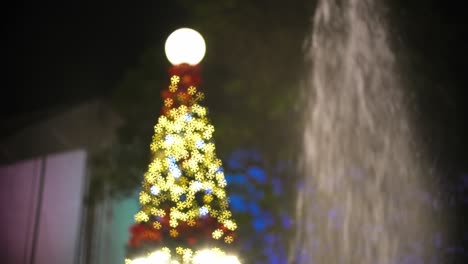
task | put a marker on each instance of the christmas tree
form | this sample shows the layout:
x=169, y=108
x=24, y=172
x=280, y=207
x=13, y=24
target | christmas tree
x=184, y=215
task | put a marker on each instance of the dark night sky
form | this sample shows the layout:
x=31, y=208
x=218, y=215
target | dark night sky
x=79, y=48
x=62, y=52
x=436, y=35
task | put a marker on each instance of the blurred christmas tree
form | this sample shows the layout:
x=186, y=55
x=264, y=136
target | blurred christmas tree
x=184, y=215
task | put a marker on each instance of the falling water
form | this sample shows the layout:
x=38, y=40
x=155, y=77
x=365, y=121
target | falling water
x=359, y=204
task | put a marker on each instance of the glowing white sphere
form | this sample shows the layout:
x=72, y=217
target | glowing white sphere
x=185, y=45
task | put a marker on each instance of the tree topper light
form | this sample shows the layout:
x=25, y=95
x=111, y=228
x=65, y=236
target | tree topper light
x=185, y=45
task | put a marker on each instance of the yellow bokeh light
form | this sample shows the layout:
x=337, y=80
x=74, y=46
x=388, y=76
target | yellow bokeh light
x=185, y=175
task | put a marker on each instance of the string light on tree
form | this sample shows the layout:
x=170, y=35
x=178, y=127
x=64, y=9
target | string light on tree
x=183, y=202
